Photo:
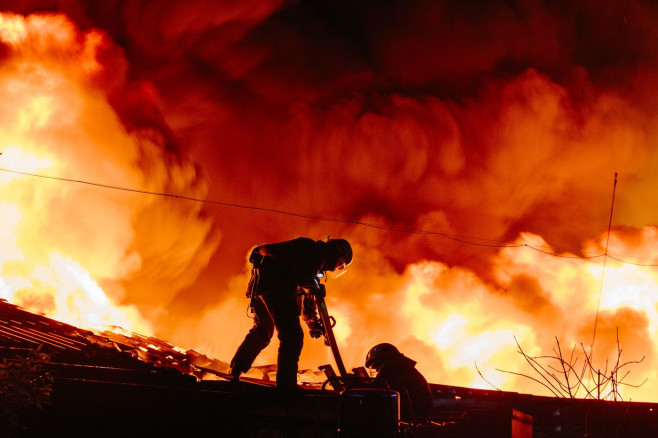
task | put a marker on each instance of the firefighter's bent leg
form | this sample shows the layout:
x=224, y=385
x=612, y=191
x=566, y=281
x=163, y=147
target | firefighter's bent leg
x=255, y=341
x=291, y=339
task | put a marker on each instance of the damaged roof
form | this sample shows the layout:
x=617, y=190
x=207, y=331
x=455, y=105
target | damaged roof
x=118, y=383
x=21, y=330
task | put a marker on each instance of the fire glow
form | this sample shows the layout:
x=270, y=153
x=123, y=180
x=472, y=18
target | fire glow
x=44, y=104
x=95, y=256
x=66, y=247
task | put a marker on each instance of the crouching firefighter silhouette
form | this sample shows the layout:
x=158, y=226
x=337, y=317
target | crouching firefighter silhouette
x=399, y=373
x=280, y=271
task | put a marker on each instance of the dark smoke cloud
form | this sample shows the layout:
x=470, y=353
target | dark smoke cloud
x=479, y=119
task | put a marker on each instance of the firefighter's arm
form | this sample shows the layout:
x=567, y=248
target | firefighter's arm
x=317, y=289
x=311, y=318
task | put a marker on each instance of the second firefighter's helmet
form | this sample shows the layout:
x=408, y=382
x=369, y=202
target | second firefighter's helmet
x=379, y=354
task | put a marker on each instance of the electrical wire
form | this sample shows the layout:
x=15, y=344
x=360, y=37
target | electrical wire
x=467, y=240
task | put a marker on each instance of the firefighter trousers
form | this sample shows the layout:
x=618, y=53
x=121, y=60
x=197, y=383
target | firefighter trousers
x=280, y=313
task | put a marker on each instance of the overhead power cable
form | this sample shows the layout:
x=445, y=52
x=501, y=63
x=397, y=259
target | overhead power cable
x=468, y=240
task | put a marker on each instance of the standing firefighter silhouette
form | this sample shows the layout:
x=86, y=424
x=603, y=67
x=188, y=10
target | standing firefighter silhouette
x=399, y=373
x=280, y=275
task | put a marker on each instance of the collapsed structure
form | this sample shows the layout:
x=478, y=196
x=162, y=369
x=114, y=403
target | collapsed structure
x=115, y=383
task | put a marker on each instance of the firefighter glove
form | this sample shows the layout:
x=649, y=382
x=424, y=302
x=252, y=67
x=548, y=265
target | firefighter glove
x=315, y=329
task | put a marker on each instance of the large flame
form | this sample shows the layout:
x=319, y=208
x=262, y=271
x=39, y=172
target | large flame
x=483, y=162
x=66, y=244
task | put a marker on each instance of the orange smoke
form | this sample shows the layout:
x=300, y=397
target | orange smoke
x=484, y=160
x=67, y=247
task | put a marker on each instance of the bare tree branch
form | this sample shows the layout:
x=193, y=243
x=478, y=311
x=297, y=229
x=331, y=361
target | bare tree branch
x=483, y=378
x=564, y=380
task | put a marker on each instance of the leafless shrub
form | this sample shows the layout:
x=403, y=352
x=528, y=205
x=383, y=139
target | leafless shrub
x=567, y=378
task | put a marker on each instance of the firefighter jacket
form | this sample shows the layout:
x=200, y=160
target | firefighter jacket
x=400, y=374
x=285, y=266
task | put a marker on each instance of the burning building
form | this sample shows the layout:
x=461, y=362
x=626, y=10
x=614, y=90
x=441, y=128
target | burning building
x=468, y=150
x=119, y=383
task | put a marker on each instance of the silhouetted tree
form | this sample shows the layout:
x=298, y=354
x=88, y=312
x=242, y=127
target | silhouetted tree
x=566, y=378
x=24, y=384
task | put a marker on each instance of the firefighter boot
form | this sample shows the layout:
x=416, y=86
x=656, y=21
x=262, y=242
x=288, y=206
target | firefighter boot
x=235, y=374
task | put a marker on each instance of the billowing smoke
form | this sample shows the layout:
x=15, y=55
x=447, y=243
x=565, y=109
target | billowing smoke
x=480, y=139
x=60, y=128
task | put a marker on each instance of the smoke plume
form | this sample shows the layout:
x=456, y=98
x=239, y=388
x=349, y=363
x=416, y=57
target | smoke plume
x=469, y=150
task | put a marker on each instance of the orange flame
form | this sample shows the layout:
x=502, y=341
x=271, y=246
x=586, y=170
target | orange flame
x=50, y=264
x=93, y=257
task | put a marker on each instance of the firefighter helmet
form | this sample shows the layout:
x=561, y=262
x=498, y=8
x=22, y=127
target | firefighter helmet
x=379, y=354
x=342, y=249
